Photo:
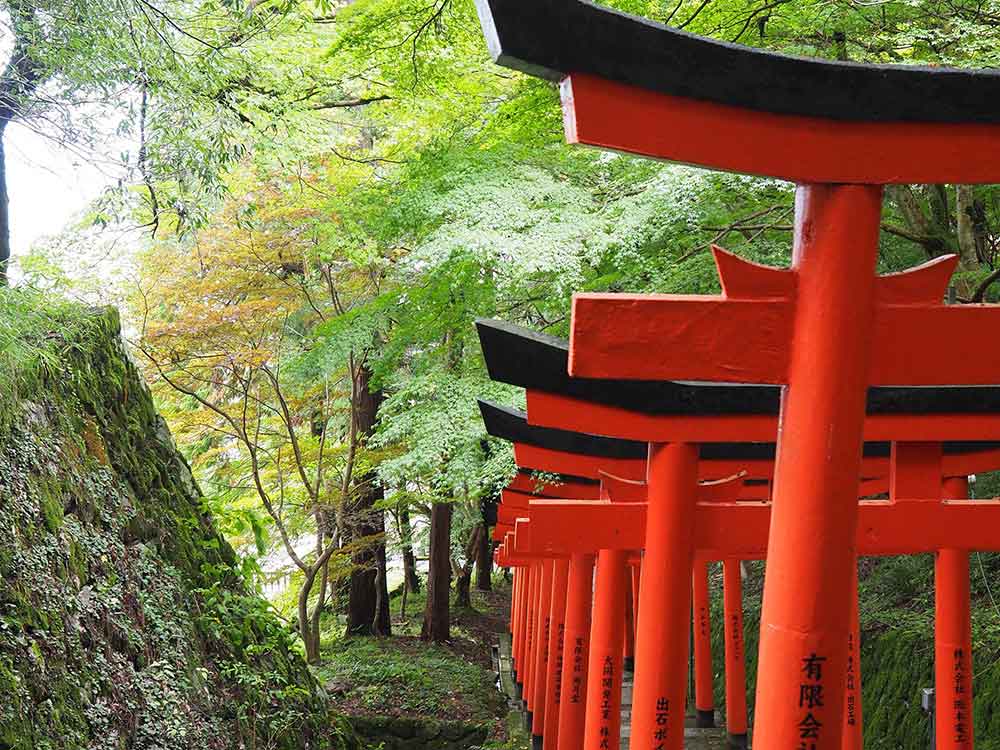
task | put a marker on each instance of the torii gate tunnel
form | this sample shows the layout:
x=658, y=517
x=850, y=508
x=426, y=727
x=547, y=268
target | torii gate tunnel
x=825, y=330
x=902, y=526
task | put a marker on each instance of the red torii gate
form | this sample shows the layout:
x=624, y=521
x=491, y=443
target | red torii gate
x=558, y=527
x=961, y=461
x=680, y=411
x=732, y=531
x=516, y=505
x=840, y=131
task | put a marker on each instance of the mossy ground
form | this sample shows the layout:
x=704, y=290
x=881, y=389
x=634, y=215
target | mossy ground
x=401, y=676
x=124, y=622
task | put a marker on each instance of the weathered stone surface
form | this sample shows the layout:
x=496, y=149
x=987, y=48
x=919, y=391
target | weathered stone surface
x=399, y=733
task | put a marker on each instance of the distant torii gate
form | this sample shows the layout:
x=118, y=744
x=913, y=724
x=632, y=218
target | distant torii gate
x=841, y=131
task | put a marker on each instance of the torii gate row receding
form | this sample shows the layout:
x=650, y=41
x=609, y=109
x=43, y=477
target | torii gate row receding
x=571, y=528
x=658, y=411
x=822, y=329
x=915, y=470
x=561, y=528
x=568, y=624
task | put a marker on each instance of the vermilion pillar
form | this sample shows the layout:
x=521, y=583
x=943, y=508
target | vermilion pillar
x=661, y=648
x=704, y=698
x=576, y=652
x=953, y=641
x=557, y=627
x=853, y=724
x=736, y=668
x=602, y=728
x=530, y=641
x=629, y=625
x=522, y=615
x=513, y=603
x=515, y=621
x=522, y=636
x=636, y=577
x=806, y=610
x=540, y=684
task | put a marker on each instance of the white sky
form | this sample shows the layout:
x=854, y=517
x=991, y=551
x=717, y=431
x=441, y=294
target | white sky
x=47, y=185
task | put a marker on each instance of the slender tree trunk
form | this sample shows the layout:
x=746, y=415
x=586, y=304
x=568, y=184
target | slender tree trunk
x=4, y=210
x=381, y=593
x=317, y=613
x=484, y=561
x=965, y=212
x=410, y=576
x=21, y=77
x=368, y=593
x=463, y=583
x=437, y=618
x=310, y=636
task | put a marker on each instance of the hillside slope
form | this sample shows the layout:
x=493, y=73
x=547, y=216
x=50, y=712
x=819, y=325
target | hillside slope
x=123, y=620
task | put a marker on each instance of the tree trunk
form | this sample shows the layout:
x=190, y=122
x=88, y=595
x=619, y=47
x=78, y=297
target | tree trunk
x=410, y=576
x=463, y=582
x=317, y=613
x=22, y=75
x=965, y=213
x=367, y=593
x=310, y=635
x=437, y=622
x=484, y=561
x=381, y=594
x=4, y=211
x=937, y=198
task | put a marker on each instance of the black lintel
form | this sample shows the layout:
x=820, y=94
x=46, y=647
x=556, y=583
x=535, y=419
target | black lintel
x=553, y=38
x=511, y=424
x=529, y=359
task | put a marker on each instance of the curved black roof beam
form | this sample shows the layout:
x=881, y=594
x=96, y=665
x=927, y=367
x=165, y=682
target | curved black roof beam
x=554, y=38
x=511, y=424
x=632, y=85
x=529, y=359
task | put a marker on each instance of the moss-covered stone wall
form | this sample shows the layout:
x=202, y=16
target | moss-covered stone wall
x=123, y=620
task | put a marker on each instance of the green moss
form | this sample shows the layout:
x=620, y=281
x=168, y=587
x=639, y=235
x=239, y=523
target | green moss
x=52, y=508
x=404, y=676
